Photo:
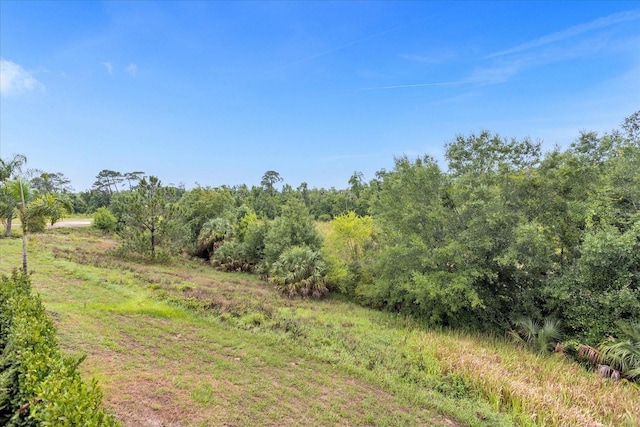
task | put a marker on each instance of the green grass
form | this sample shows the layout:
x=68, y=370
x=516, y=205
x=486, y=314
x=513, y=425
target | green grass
x=182, y=343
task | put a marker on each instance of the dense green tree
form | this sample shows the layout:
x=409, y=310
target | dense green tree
x=598, y=283
x=264, y=202
x=51, y=183
x=200, y=205
x=420, y=269
x=347, y=248
x=213, y=235
x=108, y=181
x=457, y=248
x=269, y=180
x=149, y=216
x=295, y=227
x=91, y=200
x=326, y=204
x=242, y=245
x=487, y=153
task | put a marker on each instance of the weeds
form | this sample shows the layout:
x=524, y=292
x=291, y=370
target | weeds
x=229, y=328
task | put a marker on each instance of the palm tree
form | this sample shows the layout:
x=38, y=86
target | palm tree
x=541, y=338
x=299, y=271
x=623, y=355
x=33, y=209
x=212, y=235
x=8, y=170
x=18, y=192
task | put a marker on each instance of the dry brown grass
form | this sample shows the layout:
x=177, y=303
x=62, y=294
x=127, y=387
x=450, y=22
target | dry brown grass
x=544, y=390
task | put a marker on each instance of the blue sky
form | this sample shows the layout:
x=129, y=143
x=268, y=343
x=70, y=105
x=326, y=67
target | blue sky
x=220, y=92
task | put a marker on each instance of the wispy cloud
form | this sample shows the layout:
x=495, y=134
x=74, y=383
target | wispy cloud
x=455, y=99
x=14, y=79
x=578, y=41
x=108, y=66
x=132, y=69
x=498, y=73
x=451, y=83
x=332, y=50
x=570, y=32
x=431, y=58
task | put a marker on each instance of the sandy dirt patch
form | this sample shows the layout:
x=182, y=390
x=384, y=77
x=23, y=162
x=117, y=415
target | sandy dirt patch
x=83, y=223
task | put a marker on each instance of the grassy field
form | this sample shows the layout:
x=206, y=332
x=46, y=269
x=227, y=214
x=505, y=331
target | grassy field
x=182, y=344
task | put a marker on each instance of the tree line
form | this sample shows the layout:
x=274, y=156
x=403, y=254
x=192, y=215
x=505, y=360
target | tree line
x=504, y=233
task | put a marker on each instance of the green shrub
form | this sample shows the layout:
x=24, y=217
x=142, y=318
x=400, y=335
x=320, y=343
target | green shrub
x=294, y=228
x=253, y=242
x=36, y=224
x=540, y=338
x=623, y=354
x=213, y=235
x=39, y=387
x=299, y=271
x=230, y=257
x=104, y=220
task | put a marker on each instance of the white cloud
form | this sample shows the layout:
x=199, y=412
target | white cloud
x=578, y=41
x=108, y=66
x=570, y=32
x=132, y=69
x=14, y=79
x=451, y=83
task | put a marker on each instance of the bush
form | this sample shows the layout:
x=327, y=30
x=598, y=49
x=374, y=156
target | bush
x=623, y=354
x=294, y=228
x=104, y=220
x=213, y=235
x=38, y=386
x=540, y=338
x=299, y=271
x=230, y=257
x=36, y=224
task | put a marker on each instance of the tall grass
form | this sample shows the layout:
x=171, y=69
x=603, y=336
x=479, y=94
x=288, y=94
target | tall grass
x=536, y=389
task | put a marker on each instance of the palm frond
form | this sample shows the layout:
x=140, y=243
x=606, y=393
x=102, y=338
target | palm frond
x=624, y=353
x=593, y=355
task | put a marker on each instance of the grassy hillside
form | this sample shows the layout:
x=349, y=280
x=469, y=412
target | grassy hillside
x=182, y=344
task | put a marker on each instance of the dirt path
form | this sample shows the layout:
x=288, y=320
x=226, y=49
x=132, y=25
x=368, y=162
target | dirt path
x=81, y=223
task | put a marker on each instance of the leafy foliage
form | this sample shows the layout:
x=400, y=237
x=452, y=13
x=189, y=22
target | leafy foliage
x=37, y=385
x=198, y=206
x=299, y=271
x=294, y=228
x=149, y=214
x=213, y=234
x=540, y=338
x=104, y=220
x=347, y=250
x=503, y=232
x=623, y=354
